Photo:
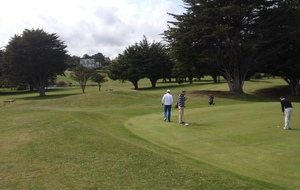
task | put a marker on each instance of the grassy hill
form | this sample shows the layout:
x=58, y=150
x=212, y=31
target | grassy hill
x=118, y=140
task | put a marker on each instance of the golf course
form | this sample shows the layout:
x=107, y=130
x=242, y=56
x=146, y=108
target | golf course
x=117, y=138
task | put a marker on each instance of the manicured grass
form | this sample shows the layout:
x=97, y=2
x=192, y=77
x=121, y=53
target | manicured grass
x=118, y=140
x=237, y=138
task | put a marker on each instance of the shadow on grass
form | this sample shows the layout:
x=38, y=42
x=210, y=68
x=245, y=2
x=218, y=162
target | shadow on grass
x=276, y=92
x=4, y=93
x=37, y=97
x=163, y=87
x=260, y=80
x=48, y=97
x=261, y=95
x=232, y=95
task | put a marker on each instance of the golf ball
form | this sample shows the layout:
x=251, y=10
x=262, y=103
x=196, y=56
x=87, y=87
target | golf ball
x=278, y=126
x=186, y=124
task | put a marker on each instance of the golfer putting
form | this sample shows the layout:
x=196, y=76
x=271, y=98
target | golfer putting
x=287, y=109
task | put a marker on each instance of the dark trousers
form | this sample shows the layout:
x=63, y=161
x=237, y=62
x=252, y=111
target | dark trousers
x=167, y=112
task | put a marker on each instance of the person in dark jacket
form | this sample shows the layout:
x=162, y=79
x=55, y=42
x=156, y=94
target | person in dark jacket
x=287, y=109
x=211, y=99
x=181, y=105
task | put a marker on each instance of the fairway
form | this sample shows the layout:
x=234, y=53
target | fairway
x=241, y=138
x=118, y=140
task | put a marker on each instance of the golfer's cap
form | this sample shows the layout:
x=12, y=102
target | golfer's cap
x=168, y=91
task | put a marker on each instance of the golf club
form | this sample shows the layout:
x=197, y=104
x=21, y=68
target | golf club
x=280, y=121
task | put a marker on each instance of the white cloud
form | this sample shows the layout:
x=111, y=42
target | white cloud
x=90, y=26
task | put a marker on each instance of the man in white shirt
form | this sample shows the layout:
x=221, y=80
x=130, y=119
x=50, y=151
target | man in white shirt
x=167, y=102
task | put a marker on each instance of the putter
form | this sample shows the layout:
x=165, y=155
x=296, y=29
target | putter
x=280, y=122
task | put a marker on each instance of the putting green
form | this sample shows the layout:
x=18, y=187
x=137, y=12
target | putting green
x=243, y=139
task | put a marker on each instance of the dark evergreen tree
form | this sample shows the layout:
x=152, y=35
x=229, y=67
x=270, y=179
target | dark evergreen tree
x=142, y=60
x=220, y=32
x=34, y=57
x=129, y=66
x=280, y=42
x=159, y=64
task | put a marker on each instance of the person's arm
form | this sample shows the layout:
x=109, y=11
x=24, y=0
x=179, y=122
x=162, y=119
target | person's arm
x=180, y=101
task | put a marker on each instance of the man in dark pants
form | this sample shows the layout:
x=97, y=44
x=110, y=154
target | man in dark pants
x=167, y=102
x=287, y=109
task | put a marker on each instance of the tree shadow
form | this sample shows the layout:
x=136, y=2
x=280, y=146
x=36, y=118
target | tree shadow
x=48, y=97
x=162, y=87
x=276, y=92
x=37, y=97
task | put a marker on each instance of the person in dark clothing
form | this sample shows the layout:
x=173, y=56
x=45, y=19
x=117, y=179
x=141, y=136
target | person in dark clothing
x=211, y=100
x=287, y=109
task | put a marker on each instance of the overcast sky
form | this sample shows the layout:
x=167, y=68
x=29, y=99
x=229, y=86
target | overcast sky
x=89, y=26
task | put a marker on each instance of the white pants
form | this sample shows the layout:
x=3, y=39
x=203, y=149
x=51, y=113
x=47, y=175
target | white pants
x=287, y=118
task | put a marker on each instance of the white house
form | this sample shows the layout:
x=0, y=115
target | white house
x=90, y=63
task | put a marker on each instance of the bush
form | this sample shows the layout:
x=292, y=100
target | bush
x=62, y=84
x=257, y=76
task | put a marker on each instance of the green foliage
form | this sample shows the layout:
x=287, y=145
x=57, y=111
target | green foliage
x=280, y=43
x=82, y=74
x=34, y=57
x=62, y=84
x=98, y=78
x=216, y=37
x=127, y=67
x=72, y=61
x=142, y=60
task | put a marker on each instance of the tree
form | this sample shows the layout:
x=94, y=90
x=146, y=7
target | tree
x=280, y=43
x=98, y=78
x=157, y=61
x=142, y=60
x=129, y=66
x=104, y=61
x=1, y=67
x=82, y=74
x=86, y=56
x=34, y=57
x=218, y=30
x=73, y=61
x=181, y=46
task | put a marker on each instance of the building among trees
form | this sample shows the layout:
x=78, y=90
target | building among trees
x=90, y=63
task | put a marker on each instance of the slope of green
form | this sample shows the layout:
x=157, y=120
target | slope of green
x=118, y=140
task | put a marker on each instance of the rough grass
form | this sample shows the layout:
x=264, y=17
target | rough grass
x=117, y=139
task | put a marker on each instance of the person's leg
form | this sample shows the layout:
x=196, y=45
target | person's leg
x=165, y=112
x=181, y=112
x=288, y=117
x=169, y=112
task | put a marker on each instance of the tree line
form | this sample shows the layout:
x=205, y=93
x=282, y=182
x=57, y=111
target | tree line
x=35, y=58
x=236, y=39
x=232, y=39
